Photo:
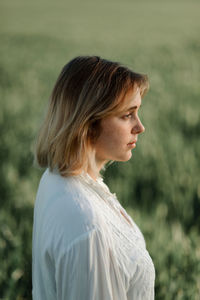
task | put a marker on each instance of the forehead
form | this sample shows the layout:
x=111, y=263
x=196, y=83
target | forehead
x=132, y=99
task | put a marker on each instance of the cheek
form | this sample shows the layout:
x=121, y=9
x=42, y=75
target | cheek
x=106, y=138
x=113, y=135
x=113, y=138
x=106, y=141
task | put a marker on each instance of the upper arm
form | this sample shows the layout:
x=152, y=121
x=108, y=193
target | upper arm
x=87, y=270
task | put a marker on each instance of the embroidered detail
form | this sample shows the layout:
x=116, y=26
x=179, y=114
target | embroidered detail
x=129, y=244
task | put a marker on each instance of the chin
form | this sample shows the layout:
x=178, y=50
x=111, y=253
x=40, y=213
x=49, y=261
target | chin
x=125, y=158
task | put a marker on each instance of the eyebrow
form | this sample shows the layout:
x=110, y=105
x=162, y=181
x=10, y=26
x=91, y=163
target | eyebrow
x=133, y=108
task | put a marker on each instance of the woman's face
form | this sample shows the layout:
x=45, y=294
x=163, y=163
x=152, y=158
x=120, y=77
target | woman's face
x=119, y=133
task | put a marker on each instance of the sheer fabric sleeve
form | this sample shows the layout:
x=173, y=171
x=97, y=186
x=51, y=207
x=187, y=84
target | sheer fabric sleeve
x=89, y=271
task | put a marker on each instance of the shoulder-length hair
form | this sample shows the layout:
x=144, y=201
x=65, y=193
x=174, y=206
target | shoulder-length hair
x=87, y=90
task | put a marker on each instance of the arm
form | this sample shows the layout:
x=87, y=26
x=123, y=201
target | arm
x=88, y=271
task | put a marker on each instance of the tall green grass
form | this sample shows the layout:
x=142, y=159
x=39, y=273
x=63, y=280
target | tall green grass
x=160, y=185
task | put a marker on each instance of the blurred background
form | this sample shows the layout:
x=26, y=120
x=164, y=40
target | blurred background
x=160, y=186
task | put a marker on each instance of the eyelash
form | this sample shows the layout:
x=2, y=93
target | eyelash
x=128, y=116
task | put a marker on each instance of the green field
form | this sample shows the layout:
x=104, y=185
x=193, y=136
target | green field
x=160, y=186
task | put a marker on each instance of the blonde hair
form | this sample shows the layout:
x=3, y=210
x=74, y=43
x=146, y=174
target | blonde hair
x=87, y=90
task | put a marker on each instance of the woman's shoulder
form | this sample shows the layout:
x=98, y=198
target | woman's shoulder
x=53, y=187
x=65, y=207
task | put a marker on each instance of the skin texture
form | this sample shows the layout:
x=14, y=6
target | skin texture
x=119, y=133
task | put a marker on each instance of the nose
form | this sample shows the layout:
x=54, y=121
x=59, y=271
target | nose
x=138, y=127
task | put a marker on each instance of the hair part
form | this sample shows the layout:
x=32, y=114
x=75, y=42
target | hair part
x=87, y=90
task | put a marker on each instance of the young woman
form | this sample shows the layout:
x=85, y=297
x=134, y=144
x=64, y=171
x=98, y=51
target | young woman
x=85, y=245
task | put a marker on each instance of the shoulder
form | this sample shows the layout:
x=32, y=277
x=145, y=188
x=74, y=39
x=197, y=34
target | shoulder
x=64, y=208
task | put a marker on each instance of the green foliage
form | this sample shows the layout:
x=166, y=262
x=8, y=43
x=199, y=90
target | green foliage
x=176, y=254
x=160, y=185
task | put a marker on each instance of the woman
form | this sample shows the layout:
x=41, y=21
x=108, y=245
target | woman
x=85, y=245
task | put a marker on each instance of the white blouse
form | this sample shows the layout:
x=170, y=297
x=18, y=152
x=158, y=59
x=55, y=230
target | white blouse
x=85, y=245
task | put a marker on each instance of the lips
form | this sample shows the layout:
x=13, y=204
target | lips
x=133, y=142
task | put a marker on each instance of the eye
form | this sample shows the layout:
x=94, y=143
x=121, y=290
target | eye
x=128, y=116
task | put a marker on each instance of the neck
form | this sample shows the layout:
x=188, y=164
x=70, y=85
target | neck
x=92, y=175
x=95, y=173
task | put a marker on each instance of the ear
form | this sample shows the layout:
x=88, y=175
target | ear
x=94, y=130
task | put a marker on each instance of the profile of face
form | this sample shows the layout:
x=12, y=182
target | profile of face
x=119, y=133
